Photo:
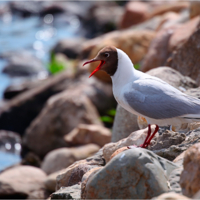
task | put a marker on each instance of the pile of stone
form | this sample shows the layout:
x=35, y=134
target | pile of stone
x=67, y=151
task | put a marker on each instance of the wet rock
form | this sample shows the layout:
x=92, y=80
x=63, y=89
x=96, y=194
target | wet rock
x=134, y=43
x=174, y=78
x=124, y=123
x=73, y=192
x=62, y=158
x=186, y=59
x=62, y=113
x=135, y=12
x=158, y=50
x=19, y=65
x=10, y=141
x=182, y=33
x=20, y=111
x=171, y=195
x=23, y=182
x=189, y=179
x=136, y=138
x=69, y=47
x=141, y=174
x=85, y=134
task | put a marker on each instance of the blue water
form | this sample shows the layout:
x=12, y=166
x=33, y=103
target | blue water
x=36, y=35
x=8, y=159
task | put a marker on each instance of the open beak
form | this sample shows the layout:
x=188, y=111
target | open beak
x=102, y=62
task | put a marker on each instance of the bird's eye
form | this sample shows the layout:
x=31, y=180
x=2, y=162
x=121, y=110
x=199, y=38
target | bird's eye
x=107, y=55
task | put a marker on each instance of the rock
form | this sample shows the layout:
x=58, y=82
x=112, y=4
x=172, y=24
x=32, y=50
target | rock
x=21, y=110
x=62, y=113
x=135, y=12
x=136, y=138
x=195, y=92
x=158, y=50
x=50, y=182
x=12, y=140
x=73, y=192
x=174, y=180
x=19, y=65
x=182, y=33
x=134, y=43
x=124, y=123
x=186, y=59
x=170, y=195
x=62, y=158
x=173, y=151
x=23, y=182
x=174, y=78
x=189, y=179
x=68, y=47
x=85, y=134
x=133, y=174
x=167, y=139
x=85, y=178
x=166, y=7
x=194, y=8
x=74, y=173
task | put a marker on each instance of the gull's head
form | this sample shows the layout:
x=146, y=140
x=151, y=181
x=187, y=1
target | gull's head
x=108, y=58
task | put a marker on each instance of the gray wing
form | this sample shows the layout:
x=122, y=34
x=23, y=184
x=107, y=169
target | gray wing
x=156, y=99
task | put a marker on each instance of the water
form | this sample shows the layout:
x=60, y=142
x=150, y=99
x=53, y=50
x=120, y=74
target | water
x=36, y=35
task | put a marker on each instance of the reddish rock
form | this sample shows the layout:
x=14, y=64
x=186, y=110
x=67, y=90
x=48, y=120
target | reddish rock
x=135, y=12
x=158, y=50
x=62, y=158
x=182, y=33
x=85, y=134
x=186, y=59
x=23, y=182
x=194, y=8
x=189, y=179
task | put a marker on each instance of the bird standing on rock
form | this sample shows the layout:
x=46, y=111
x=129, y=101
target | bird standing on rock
x=141, y=94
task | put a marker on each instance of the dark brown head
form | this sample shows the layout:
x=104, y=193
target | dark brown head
x=108, y=60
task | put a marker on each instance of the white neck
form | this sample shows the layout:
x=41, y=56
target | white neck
x=125, y=70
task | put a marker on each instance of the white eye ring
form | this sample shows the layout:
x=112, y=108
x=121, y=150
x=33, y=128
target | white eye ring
x=107, y=55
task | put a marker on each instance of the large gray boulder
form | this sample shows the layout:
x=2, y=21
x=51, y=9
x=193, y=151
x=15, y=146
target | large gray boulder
x=132, y=174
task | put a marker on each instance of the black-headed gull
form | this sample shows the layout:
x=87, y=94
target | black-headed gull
x=141, y=94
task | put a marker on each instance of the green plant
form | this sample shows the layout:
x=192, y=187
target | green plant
x=109, y=117
x=55, y=66
x=137, y=66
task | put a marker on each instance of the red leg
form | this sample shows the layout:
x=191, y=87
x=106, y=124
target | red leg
x=148, y=134
x=149, y=140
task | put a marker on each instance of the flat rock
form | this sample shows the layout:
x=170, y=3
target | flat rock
x=23, y=182
x=62, y=158
x=133, y=174
x=122, y=126
x=72, y=192
x=62, y=113
x=85, y=134
x=136, y=138
x=189, y=179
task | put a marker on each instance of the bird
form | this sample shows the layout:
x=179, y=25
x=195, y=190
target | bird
x=145, y=95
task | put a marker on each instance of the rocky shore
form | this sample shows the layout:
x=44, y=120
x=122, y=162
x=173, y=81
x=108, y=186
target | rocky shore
x=69, y=150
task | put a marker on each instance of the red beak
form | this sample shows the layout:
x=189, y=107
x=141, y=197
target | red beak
x=102, y=62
